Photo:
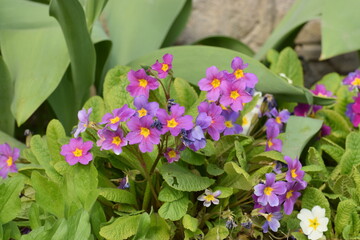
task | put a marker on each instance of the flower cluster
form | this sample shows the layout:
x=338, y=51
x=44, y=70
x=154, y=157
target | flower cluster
x=274, y=125
x=8, y=157
x=270, y=196
x=353, y=109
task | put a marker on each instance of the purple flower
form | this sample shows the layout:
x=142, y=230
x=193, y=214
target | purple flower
x=124, y=183
x=83, y=116
x=320, y=90
x=197, y=139
x=144, y=108
x=353, y=80
x=230, y=224
x=217, y=122
x=272, y=143
x=272, y=221
x=113, y=141
x=238, y=66
x=172, y=155
x=325, y=130
x=163, y=68
x=294, y=172
x=234, y=94
x=269, y=192
x=209, y=197
x=213, y=83
x=291, y=195
x=8, y=157
x=267, y=208
x=278, y=166
x=141, y=83
x=100, y=133
x=277, y=119
x=143, y=133
x=230, y=119
x=118, y=115
x=353, y=111
x=77, y=151
x=175, y=121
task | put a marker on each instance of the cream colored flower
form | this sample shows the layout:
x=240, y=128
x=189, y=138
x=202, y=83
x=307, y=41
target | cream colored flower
x=313, y=223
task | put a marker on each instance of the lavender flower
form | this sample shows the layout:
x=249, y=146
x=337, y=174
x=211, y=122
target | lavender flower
x=294, y=172
x=113, y=141
x=217, y=122
x=353, y=80
x=269, y=192
x=291, y=195
x=272, y=221
x=277, y=119
x=272, y=143
x=83, y=116
x=8, y=157
x=235, y=96
x=230, y=119
x=238, y=73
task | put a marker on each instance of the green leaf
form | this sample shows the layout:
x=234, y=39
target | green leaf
x=332, y=82
x=268, y=157
x=79, y=226
x=174, y=210
x=299, y=236
x=351, y=156
x=98, y=108
x=183, y=93
x=48, y=194
x=182, y=179
x=34, y=216
x=226, y=143
x=121, y=228
x=299, y=131
x=289, y=64
x=343, y=98
x=10, y=204
x=343, y=215
x=332, y=149
x=236, y=177
x=159, y=229
x=240, y=154
x=143, y=228
x=5, y=138
x=190, y=223
x=272, y=56
x=226, y=42
x=339, y=126
x=115, y=94
x=217, y=232
x=202, y=57
x=169, y=194
x=54, y=132
x=117, y=195
x=7, y=90
x=312, y=168
x=343, y=185
x=336, y=31
x=192, y=157
x=97, y=219
x=315, y=162
x=225, y=191
x=214, y=170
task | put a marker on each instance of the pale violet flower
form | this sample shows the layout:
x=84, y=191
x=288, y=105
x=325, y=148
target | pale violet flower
x=313, y=223
x=209, y=197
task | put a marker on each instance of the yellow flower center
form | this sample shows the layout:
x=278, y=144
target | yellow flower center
x=215, y=82
x=116, y=140
x=278, y=120
x=209, y=198
x=321, y=95
x=115, y=120
x=223, y=107
x=268, y=191
x=234, y=95
x=293, y=173
x=239, y=73
x=269, y=217
x=314, y=223
x=289, y=194
x=356, y=82
x=143, y=83
x=9, y=161
x=142, y=112
x=172, y=123
x=172, y=154
x=164, y=67
x=270, y=143
x=244, y=121
x=145, y=132
x=229, y=124
x=78, y=152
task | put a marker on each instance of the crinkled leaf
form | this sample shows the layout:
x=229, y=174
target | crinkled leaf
x=117, y=195
x=159, y=229
x=121, y=228
x=351, y=156
x=343, y=215
x=174, y=210
x=214, y=170
x=192, y=157
x=268, y=157
x=343, y=185
x=338, y=124
x=332, y=149
x=183, y=93
x=169, y=194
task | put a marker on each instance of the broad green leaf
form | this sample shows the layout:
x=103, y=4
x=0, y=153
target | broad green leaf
x=54, y=132
x=299, y=131
x=159, y=229
x=37, y=234
x=117, y=195
x=48, y=194
x=343, y=186
x=236, y=177
x=192, y=157
x=183, y=179
x=268, y=157
x=5, y=138
x=169, y=194
x=315, y=163
x=98, y=108
x=225, y=144
x=79, y=226
x=225, y=191
x=202, y=57
x=260, y=174
x=143, y=228
x=226, y=42
x=129, y=44
x=332, y=149
x=272, y=56
x=289, y=64
x=240, y=154
x=312, y=168
x=183, y=93
x=217, y=232
x=11, y=230
x=97, y=218
x=121, y=228
x=59, y=232
x=34, y=216
x=7, y=90
x=190, y=222
x=343, y=215
x=351, y=156
x=10, y=204
x=174, y=210
x=93, y=9
x=214, y=170
x=339, y=34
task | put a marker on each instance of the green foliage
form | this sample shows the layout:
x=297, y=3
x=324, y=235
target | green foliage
x=217, y=232
x=9, y=198
x=344, y=217
x=6, y=89
x=122, y=228
x=117, y=195
x=351, y=156
x=174, y=210
x=190, y=223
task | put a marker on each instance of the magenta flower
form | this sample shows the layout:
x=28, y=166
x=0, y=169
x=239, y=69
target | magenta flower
x=353, y=80
x=141, y=83
x=77, y=151
x=320, y=90
x=325, y=130
x=235, y=96
x=230, y=119
x=101, y=136
x=238, y=66
x=175, y=121
x=272, y=221
x=8, y=157
x=118, y=115
x=209, y=197
x=269, y=192
x=83, y=116
x=294, y=172
x=172, y=155
x=272, y=143
x=144, y=108
x=163, y=68
x=277, y=119
x=113, y=141
x=353, y=111
x=217, y=122
x=143, y=133
x=290, y=196
x=213, y=83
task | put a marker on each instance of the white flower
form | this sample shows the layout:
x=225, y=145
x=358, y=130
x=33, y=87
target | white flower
x=313, y=223
x=209, y=197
